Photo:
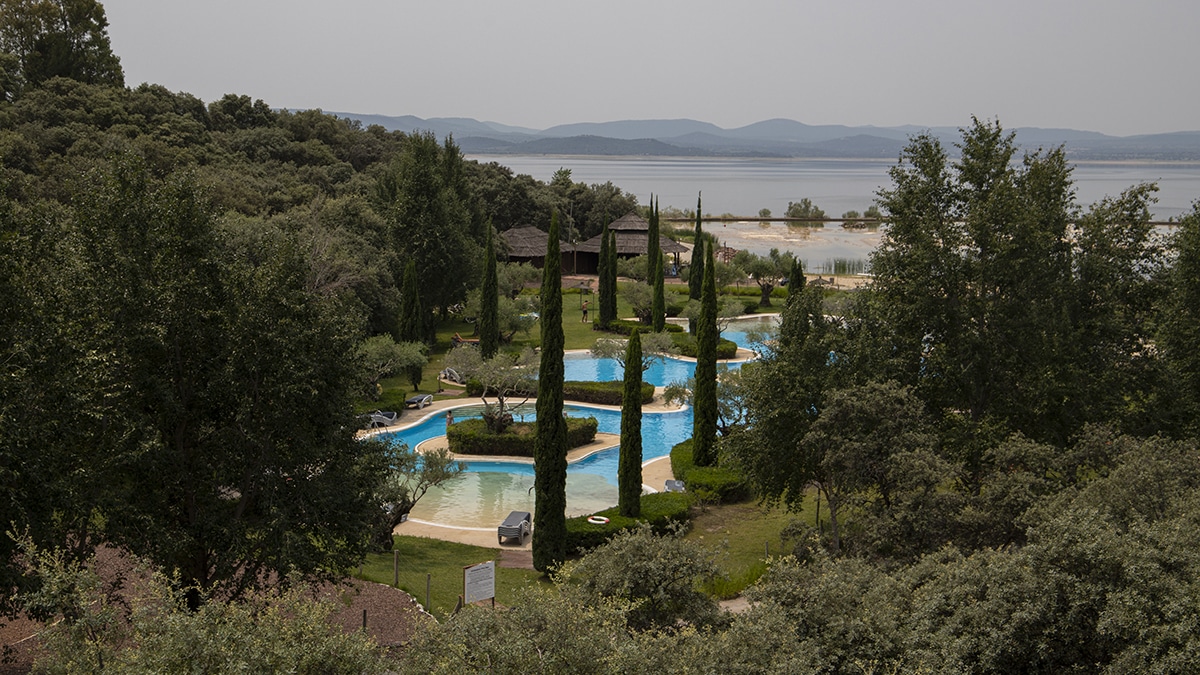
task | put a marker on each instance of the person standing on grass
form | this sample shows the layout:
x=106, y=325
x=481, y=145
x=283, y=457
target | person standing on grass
x=585, y=307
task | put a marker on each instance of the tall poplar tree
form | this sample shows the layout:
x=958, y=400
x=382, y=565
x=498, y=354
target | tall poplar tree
x=413, y=324
x=612, y=273
x=658, y=307
x=629, y=470
x=796, y=279
x=654, y=252
x=652, y=241
x=1180, y=327
x=704, y=419
x=607, y=283
x=696, y=276
x=489, y=321
x=429, y=218
x=550, y=446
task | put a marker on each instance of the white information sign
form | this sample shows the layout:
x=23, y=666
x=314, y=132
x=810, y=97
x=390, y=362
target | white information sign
x=479, y=582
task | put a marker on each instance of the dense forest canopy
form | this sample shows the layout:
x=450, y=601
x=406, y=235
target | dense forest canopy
x=1001, y=428
x=186, y=288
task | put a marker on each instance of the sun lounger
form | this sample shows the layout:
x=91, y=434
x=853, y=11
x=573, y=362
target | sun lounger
x=451, y=375
x=674, y=486
x=517, y=524
x=460, y=340
x=419, y=401
x=383, y=418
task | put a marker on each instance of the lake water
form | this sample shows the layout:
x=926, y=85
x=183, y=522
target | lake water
x=743, y=186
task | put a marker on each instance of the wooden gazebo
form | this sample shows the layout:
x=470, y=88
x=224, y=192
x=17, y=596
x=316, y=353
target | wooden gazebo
x=633, y=239
x=528, y=244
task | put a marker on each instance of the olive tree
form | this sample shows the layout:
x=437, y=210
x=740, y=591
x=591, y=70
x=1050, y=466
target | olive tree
x=409, y=476
x=654, y=347
x=766, y=271
x=504, y=376
x=383, y=357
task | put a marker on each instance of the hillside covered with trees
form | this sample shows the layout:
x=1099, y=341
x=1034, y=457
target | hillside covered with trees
x=999, y=432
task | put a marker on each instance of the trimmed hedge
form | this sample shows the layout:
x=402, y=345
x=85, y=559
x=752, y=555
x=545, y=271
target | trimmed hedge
x=686, y=344
x=583, y=391
x=750, y=305
x=660, y=509
x=722, y=484
x=602, y=393
x=471, y=437
x=754, y=289
x=625, y=327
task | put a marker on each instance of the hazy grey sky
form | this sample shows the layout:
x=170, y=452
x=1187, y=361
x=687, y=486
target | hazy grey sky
x=1113, y=66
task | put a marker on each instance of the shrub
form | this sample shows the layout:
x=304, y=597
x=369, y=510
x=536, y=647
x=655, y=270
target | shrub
x=752, y=289
x=580, y=432
x=602, y=393
x=625, y=327
x=717, y=484
x=686, y=344
x=681, y=459
x=660, y=510
x=471, y=437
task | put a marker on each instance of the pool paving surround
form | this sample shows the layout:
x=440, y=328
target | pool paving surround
x=655, y=472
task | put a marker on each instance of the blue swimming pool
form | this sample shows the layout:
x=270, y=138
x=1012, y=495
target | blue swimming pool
x=489, y=490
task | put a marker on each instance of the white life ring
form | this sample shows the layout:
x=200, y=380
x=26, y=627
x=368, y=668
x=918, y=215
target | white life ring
x=598, y=520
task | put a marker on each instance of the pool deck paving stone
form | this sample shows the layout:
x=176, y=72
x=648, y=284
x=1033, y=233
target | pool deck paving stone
x=513, y=553
x=655, y=472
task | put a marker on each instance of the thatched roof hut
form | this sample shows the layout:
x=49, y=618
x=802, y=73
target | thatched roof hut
x=528, y=244
x=525, y=243
x=633, y=238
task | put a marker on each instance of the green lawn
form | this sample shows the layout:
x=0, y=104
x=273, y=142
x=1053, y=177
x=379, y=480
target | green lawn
x=741, y=533
x=576, y=334
x=443, y=561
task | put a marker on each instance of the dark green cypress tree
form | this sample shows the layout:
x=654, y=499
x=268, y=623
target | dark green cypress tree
x=652, y=241
x=604, y=289
x=658, y=307
x=413, y=323
x=796, y=279
x=550, y=445
x=411, y=326
x=696, y=276
x=612, y=274
x=629, y=469
x=704, y=397
x=489, y=303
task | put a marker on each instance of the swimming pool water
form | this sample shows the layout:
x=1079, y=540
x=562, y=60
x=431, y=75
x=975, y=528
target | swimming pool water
x=490, y=489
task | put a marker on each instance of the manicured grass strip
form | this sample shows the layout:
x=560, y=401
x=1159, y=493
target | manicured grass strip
x=445, y=561
x=741, y=535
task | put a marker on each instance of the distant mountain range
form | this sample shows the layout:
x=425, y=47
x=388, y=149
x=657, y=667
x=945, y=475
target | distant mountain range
x=769, y=138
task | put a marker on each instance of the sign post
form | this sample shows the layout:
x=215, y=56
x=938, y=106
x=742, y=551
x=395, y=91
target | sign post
x=479, y=582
